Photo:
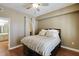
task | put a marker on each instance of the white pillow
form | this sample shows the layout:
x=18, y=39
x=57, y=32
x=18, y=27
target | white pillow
x=52, y=33
x=42, y=32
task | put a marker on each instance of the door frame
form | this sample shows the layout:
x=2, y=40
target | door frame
x=7, y=18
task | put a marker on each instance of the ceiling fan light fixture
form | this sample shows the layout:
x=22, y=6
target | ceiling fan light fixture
x=35, y=5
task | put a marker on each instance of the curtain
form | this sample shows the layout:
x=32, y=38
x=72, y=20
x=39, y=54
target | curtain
x=30, y=26
x=34, y=26
x=27, y=26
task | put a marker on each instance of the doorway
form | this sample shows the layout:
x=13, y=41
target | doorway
x=4, y=33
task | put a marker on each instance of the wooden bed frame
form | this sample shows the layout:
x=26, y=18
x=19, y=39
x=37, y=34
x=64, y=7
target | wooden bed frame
x=29, y=52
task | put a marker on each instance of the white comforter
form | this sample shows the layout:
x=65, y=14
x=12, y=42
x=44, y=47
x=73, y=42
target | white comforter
x=41, y=44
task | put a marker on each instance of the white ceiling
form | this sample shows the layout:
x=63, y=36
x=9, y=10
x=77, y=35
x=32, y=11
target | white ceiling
x=43, y=10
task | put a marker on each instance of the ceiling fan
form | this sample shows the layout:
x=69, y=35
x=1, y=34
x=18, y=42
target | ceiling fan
x=35, y=5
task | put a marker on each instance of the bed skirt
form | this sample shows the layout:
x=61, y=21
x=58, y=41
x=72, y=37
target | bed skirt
x=29, y=52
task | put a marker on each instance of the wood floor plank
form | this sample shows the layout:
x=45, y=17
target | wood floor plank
x=19, y=51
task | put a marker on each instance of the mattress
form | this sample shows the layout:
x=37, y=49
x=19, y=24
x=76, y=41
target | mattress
x=41, y=44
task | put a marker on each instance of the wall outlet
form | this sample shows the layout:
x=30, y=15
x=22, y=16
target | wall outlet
x=72, y=43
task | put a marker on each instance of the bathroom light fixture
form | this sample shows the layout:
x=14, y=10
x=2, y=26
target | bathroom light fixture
x=2, y=22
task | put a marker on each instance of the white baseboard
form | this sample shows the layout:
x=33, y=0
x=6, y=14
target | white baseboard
x=76, y=50
x=15, y=47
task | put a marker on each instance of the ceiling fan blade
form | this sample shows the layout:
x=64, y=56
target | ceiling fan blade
x=28, y=5
x=43, y=4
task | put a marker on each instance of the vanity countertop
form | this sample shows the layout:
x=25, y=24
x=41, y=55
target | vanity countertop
x=3, y=33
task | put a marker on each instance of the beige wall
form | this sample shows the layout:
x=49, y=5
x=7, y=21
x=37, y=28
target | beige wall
x=16, y=24
x=69, y=25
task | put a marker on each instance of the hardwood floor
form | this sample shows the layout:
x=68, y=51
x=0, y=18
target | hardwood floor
x=19, y=51
x=66, y=52
x=5, y=52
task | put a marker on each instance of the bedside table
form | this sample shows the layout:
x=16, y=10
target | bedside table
x=30, y=33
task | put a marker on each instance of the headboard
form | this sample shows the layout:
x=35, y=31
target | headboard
x=55, y=29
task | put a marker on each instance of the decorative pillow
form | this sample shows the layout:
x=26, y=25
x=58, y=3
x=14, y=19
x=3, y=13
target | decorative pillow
x=42, y=32
x=52, y=33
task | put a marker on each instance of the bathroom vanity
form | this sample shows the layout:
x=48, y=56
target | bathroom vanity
x=3, y=36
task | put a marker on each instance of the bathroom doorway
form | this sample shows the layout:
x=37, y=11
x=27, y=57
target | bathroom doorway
x=4, y=33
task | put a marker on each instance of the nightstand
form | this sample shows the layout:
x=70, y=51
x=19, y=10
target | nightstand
x=30, y=33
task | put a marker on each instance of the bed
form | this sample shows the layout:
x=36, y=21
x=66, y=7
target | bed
x=41, y=45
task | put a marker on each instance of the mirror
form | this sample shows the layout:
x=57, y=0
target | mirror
x=3, y=26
